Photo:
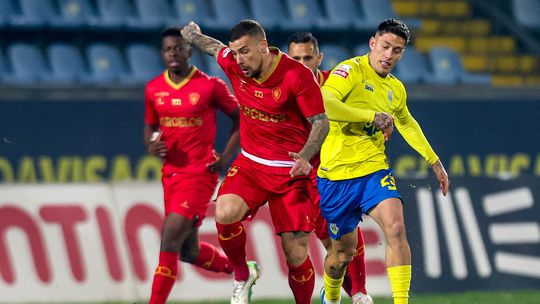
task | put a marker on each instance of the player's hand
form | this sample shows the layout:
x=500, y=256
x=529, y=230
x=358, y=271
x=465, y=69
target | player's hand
x=217, y=164
x=301, y=165
x=188, y=31
x=157, y=148
x=442, y=176
x=385, y=123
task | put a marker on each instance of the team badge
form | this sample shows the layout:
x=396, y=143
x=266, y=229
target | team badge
x=334, y=228
x=194, y=98
x=390, y=96
x=276, y=93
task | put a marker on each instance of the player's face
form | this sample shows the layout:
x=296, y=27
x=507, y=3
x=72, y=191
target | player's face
x=248, y=52
x=306, y=54
x=386, y=51
x=175, y=53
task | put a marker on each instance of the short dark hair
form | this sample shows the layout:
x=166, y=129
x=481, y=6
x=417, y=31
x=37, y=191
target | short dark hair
x=171, y=31
x=303, y=37
x=396, y=27
x=246, y=27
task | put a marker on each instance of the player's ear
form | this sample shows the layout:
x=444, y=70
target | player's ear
x=320, y=58
x=263, y=46
x=371, y=42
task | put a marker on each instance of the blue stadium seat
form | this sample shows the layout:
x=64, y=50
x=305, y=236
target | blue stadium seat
x=304, y=15
x=34, y=13
x=229, y=12
x=213, y=69
x=106, y=63
x=526, y=13
x=375, y=11
x=5, y=71
x=144, y=62
x=28, y=64
x=113, y=13
x=74, y=13
x=270, y=14
x=67, y=63
x=361, y=49
x=448, y=68
x=193, y=10
x=197, y=59
x=7, y=10
x=344, y=16
x=413, y=67
x=152, y=14
x=333, y=54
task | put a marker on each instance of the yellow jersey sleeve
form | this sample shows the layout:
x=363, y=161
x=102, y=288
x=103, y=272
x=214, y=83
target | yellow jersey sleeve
x=339, y=111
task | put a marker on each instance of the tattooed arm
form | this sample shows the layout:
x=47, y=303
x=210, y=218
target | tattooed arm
x=192, y=33
x=319, y=130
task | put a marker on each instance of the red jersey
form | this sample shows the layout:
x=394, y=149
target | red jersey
x=322, y=76
x=274, y=109
x=186, y=114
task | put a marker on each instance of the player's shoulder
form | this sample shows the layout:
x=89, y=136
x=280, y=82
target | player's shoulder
x=157, y=80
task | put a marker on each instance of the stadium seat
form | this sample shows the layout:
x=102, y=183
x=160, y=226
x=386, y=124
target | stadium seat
x=361, y=49
x=7, y=10
x=270, y=14
x=213, y=69
x=333, y=54
x=229, y=12
x=144, y=62
x=34, y=13
x=28, y=64
x=193, y=10
x=67, y=63
x=106, y=63
x=375, y=11
x=526, y=13
x=197, y=59
x=74, y=13
x=5, y=71
x=152, y=14
x=448, y=68
x=344, y=16
x=413, y=67
x=113, y=13
x=304, y=15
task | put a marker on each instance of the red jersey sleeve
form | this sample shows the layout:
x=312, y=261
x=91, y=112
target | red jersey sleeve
x=225, y=59
x=150, y=114
x=223, y=98
x=308, y=92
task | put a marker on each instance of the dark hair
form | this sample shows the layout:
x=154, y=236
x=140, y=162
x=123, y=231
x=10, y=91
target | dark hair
x=303, y=37
x=246, y=27
x=396, y=27
x=171, y=31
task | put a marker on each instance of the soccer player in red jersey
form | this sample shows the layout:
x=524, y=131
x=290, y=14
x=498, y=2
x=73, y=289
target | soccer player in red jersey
x=304, y=47
x=180, y=120
x=282, y=126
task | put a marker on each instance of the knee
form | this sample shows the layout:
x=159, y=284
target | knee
x=228, y=212
x=296, y=256
x=344, y=257
x=189, y=255
x=396, y=232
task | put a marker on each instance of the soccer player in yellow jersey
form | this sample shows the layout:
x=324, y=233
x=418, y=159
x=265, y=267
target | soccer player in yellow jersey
x=363, y=101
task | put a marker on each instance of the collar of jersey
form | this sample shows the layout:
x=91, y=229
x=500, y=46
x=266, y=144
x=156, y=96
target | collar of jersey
x=272, y=68
x=320, y=77
x=183, y=82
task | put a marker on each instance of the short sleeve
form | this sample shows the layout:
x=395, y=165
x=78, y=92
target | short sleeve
x=307, y=92
x=150, y=114
x=223, y=98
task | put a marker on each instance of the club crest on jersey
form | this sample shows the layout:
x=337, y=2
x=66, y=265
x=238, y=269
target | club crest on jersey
x=334, y=228
x=368, y=87
x=276, y=93
x=342, y=70
x=194, y=98
x=159, y=97
x=390, y=96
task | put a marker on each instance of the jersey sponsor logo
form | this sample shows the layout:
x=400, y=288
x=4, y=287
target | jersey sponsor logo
x=368, y=87
x=194, y=98
x=262, y=115
x=342, y=70
x=341, y=73
x=258, y=94
x=159, y=97
x=181, y=122
x=176, y=101
x=276, y=93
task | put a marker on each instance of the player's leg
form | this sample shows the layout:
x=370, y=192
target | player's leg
x=337, y=259
x=356, y=272
x=301, y=271
x=174, y=231
x=204, y=255
x=389, y=215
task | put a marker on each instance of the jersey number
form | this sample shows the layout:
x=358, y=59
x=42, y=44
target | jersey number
x=389, y=181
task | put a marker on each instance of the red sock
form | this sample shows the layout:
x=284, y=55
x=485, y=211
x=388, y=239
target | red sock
x=302, y=281
x=347, y=283
x=212, y=259
x=357, y=268
x=232, y=238
x=164, y=277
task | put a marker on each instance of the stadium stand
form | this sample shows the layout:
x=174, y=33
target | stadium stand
x=113, y=13
x=74, y=13
x=227, y=13
x=144, y=62
x=106, y=63
x=152, y=14
x=270, y=14
x=188, y=10
x=67, y=63
x=526, y=13
x=333, y=54
x=34, y=13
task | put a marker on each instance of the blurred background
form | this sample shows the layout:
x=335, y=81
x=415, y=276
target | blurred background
x=74, y=174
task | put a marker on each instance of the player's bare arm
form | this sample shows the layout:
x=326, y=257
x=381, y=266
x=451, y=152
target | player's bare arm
x=442, y=176
x=192, y=33
x=385, y=123
x=319, y=130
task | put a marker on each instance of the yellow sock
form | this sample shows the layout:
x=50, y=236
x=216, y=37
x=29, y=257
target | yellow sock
x=332, y=288
x=400, y=281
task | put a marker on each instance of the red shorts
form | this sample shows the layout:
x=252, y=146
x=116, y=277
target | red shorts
x=319, y=226
x=189, y=194
x=288, y=197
